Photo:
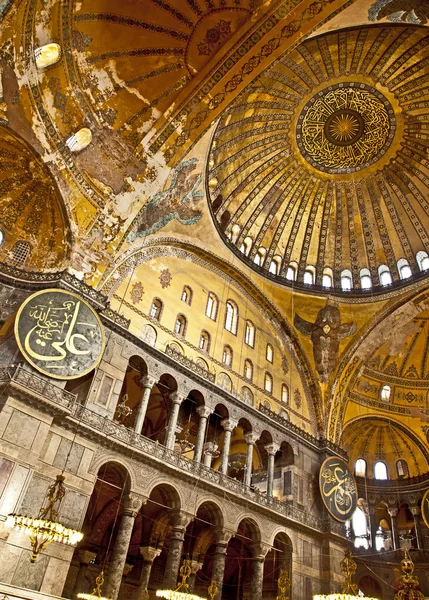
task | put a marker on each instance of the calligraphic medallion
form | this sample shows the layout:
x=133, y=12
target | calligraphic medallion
x=338, y=488
x=345, y=128
x=425, y=508
x=59, y=334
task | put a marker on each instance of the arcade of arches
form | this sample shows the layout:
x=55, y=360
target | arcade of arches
x=240, y=190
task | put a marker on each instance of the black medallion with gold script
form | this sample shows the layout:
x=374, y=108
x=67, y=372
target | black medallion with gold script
x=59, y=333
x=338, y=488
x=425, y=508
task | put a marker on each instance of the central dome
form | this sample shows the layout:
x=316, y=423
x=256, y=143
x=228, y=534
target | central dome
x=315, y=174
x=345, y=128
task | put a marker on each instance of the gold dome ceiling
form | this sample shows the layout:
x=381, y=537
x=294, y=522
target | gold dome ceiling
x=321, y=164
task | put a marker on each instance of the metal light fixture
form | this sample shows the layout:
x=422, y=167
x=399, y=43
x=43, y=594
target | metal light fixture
x=213, y=589
x=181, y=592
x=184, y=444
x=45, y=528
x=408, y=581
x=122, y=410
x=283, y=583
x=96, y=592
x=349, y=590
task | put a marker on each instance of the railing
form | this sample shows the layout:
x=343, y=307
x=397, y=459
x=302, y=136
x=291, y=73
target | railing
x=393, y=486
x=190, y=364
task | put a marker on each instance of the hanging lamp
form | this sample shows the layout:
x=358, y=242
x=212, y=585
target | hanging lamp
x=409, y=582
x=96, y=592
x=182, y=590
x=349, y=590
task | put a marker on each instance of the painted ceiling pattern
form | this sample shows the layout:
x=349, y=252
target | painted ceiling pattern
x=301, y=173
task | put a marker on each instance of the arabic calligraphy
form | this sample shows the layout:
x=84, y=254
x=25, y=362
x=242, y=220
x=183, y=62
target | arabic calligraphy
x=425, y=508
x=345, y=128
x=59, y=334
x=338, y=488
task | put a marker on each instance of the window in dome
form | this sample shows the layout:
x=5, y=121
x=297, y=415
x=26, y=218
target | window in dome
x=268, y=383
x=180, y=325
x=422, y=260
x=1, y=237
x=380, y=470
x=248, y=369
x=402, y=468
x=212, y=306
x=309, y=275
x=227, y=356
x=270, y=353
x=246, y=246
x=404, y=269
x=231, y=317
x=285, y=394
x=249, y=336
x=20, y=253
x=327, y=277
x=346, y=280
x=204, y=341
x=156, y=309
x=260, y=257
x=360, y=467
x=365, y=279
x=275, y=265
x=384, y=275
x=187, y=295
x=235, y=232
x=385, y=393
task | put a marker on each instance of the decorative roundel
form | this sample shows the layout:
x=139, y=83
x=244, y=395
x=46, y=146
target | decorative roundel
x=425, y=508
x=345, y=128
x=338, y=488
x=59, y=334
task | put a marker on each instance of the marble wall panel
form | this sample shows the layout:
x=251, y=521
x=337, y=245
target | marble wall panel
x=34, y=496
x=21, y=430
x=72, y=509
x=30, y=575
x=13, y=490
x=68, y=456
x=9, y=560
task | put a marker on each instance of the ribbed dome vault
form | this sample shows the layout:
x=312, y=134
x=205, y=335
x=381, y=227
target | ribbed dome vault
x=321, y=167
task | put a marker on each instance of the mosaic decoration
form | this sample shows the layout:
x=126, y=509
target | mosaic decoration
x=137, y=292
x=338, y=488
x=285, y=365
x=177, y=202
x=4, y=7
x=59, y=334
x=165, y=278
x=297, y=398
x=415, y=12
x=345, y=128
x=213, y=36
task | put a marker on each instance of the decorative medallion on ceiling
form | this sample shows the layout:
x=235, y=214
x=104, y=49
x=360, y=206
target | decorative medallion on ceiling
x=318, y=175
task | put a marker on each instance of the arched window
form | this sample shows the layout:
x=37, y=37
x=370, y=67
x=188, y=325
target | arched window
x=156, y=309
x=249, y=336
x=247, y=396
x=346, y=280
x=212, y=306
x=327, y=277
x=385, y=393
x=224, y=381
x=231, y=317
x=365, y=279
x=187, y=295
x=380, y=538
x=422, y=259
x=402, y=468
x=180, y=325
x=227, y=356
x=235, y=232
x=285, y=394
x=275, y=265
x=248, y=369
x=269, y=353
x=268, y=383
x=380, y=470
x=384, y=275
x=360, y=528
x=291, y=272
x=246, y=246
x=260, y=257
x=1, y=237
x=204, y=341
x=404, y=269
x=20, y=253
x=309, y=275
x=360, y=468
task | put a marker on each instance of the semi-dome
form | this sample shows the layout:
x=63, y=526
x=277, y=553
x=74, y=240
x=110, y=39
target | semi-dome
x=315, y=173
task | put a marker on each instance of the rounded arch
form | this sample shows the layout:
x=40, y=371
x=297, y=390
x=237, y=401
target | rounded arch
x=119, y=465
x=169, y=495
x=213, y=512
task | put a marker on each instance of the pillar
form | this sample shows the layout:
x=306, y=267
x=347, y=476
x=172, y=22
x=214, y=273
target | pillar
x=81, y=583
x=271, y=450
x=256, y=582
x=172, y=423
x=149, y=554
x=148, y=383
x=250, y=440
x=393, y=512
x=415, y=511
x=373, y=524
x=219, y=557
x=204, y=412
x=228, y=426
x=179, y=522
x=209, y=449
x=132, y=504
x=195, y=567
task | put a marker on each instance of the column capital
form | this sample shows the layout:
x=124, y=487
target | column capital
x=251, y=437
x=393, y=511
x=86, y=556
x=204, y=411
x=228, y=424
x=260, y=550
x=222, y=538
x=415, y=510
x=272, y=448
x=132, y=503
x=196, y=566
x=148, y=382
x=149, y=553
x=180, y=520
x=177, y=397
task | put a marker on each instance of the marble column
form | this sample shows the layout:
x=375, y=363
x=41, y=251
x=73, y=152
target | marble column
x=373, y=524
x=149, y=554
x=81, y=583
x=209, y=449
x=148, y=383
x=393, y=512
x=172, y=423
x=132, y=504
x=271, y=450
x=204, y=412
x=256, y=582
x=195, y=567
x=415, y=511
x=250, y=440
x=228, y=426
x=174, y=558
x=219, y=558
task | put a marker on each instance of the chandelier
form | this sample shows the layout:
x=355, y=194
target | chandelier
x=96, y=592
x=408, y=582
x=184, y=444
x=45, y=528
x=182, y=590
x=283, y=583
x=349, y=590
x=122, y=410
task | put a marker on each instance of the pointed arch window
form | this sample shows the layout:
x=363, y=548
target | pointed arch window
x=269, y=353
x=248, y=369
x=380, y=470
x=227, y=356
x=249, y=336
x=156, y=309
x=231, y=317
x=180, y=325
x=268, y=383
x=212, y=306
x=204, y=343
x=187, y=295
